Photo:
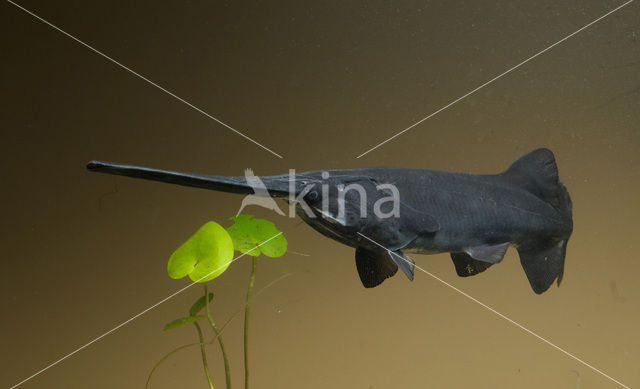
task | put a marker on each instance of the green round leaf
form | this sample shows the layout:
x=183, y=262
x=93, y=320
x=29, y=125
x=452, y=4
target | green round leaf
x=273, y=242
x=247, y=233
x=204, y=256
x=242, y=235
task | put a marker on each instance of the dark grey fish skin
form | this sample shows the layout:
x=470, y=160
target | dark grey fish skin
x=474, y=217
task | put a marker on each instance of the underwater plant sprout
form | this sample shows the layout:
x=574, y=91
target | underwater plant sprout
x=204, y=257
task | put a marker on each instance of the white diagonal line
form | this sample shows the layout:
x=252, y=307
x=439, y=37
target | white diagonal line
x=136, y=316
x=145, y=79
x=493, y=79
x=501, y=315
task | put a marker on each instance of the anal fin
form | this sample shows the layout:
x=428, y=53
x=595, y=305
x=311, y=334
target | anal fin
x=467, y=266
x=374, y=266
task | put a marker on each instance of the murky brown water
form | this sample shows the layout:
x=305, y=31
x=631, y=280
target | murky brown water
x=318, y=84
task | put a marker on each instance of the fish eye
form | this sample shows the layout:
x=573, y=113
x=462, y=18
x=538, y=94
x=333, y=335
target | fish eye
x=313, y=195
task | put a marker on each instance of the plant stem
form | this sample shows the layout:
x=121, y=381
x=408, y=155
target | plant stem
x=170, y=353
x=227, y=370
x=180, y=348
x=204, y=355
x=247, y=311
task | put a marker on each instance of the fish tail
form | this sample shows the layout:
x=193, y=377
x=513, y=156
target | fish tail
x=543, y=259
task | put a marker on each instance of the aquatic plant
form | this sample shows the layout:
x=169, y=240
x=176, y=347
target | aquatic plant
x=204, y=257
x=254, y=237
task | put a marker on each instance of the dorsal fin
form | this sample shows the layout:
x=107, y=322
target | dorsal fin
x=537, y=173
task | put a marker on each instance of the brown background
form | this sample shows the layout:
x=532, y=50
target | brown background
x=319, y=84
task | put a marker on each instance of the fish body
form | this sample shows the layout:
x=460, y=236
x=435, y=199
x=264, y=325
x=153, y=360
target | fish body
x=385, y=212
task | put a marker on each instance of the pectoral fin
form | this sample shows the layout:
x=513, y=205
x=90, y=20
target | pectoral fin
x=374, y=266
x=491, y=253
x=467, y=266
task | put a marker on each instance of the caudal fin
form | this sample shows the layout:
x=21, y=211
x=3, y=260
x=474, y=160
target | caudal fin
x=543, y=259
x=543, y=263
